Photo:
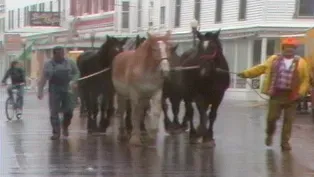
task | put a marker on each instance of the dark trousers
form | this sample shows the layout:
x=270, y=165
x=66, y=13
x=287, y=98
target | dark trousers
x=20, y=94
x=60, y=102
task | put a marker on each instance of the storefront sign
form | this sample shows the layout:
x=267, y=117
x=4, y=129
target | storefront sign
x=12, y=42
x=51, y=19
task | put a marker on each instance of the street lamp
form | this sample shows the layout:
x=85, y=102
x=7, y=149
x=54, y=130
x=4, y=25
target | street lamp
x=92, y=38
x=24, y=41
x=194, y=25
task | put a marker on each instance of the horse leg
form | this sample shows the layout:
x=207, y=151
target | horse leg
x=208, y=139
x=142, y=126
x=103, y=120
x=175, y=102
x=136, y=118
x=122, y=105
x=202, y=106
x=128, y=120
x=189, y=112
x=167, y=122
x=95, y=110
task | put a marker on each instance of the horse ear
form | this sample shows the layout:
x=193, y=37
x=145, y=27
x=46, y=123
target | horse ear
x=149, y=36
x=174, y=48
x=198, y=34
x=168, y=34
x=217, y=33
x=108, y=37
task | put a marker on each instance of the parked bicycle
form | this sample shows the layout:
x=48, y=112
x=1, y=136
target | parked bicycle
x=12, y=103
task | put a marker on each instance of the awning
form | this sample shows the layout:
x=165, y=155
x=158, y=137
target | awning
x=27, y=53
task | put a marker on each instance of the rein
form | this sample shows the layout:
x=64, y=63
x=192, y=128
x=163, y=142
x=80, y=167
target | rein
x=94, y=74
x=247, y=82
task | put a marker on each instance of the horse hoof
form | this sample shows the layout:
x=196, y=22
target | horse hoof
x=176, y=131
x=135, y=141
x=209, y=143
x=194, y=140
x=122, y=137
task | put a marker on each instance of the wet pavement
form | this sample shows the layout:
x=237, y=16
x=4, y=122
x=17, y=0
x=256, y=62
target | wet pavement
x=26, y=150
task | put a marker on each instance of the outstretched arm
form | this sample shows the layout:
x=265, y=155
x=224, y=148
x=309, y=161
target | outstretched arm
x=257, y=70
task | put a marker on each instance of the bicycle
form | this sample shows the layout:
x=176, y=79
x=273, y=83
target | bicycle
x=11, y=104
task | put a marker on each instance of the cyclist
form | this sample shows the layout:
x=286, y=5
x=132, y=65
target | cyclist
x=17, y=75
x=61, y=73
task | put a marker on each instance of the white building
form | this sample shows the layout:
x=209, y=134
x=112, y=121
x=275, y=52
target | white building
x=250, y=28
x=16, y=27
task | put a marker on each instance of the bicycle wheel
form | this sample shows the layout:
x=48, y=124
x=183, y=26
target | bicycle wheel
x=9, y=108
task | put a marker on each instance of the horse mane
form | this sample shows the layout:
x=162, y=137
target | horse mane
x=142, y=51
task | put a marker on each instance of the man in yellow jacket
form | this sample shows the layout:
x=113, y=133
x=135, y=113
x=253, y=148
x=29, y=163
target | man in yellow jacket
x=286, y=81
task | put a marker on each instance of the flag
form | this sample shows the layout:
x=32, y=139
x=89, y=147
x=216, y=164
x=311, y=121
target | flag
x=27, y=53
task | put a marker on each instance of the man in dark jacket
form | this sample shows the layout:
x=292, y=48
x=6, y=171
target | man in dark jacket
x=61, y=73
x=17, y=76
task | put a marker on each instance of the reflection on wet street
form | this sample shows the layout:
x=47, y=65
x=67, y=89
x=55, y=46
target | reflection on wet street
x=240, y=151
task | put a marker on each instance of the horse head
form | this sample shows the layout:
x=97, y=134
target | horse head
x=209, y=50
x=156, y=50
x=110, y=49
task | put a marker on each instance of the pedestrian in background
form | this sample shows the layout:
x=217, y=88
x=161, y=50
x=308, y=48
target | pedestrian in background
x=18, y=80
x=286, y=82
x=62, y=74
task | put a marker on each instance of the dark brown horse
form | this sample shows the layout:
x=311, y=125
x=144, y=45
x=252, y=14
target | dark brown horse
x=99, y=86
x=204, y=86
x=172, y=90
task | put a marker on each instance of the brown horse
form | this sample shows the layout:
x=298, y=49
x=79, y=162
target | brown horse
x=137, y=76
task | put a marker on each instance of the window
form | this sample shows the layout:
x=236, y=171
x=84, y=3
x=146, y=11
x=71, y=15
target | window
x=111, y=5
x=105, y=5
x=177, y=16
x=257, y=50
x=151, y=13
x=2, y=24
x=26, y=16
x=95, y=6
x=304, y=8
x=270, y=47
x=59, y=5
x=73, y=5
x=18, y=17
x=125, y=14
x=89, y=6
x=242, y=9
x=218, y=15
x=9, y=20
x=51, y=6
x=12, y=19
x=2, y=8
x=197, y=10
x=162, y=15
x=139, y=13
x=34, y=7
x=41, y=7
